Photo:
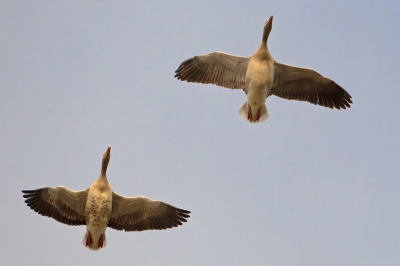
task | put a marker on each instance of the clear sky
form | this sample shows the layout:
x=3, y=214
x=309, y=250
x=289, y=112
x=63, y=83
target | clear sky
x=310, y=186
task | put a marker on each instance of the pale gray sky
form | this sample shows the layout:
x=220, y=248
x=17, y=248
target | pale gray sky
x=310, y=186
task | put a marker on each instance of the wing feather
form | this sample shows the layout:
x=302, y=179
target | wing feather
x=217, y=68
x=64, y=205
x=141, y=213
x=304, y=84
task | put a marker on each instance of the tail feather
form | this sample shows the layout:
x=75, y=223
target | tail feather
x=251, y=116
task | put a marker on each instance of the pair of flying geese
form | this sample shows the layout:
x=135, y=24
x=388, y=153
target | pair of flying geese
x=99, y=207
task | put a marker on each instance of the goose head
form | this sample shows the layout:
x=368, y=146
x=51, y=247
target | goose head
x=106, y=160
x=267, y=30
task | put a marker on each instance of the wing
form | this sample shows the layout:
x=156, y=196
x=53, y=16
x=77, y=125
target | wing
x=60, y=203
x=217, y=68
x=140, y=213
x=304, y=84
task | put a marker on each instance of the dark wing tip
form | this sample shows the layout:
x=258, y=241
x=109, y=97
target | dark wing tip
x=308, y=85
x=182, y=210
x=166, y=217
x=29, y=194
x=31, y=191
x=182, y=214
x=186, y=69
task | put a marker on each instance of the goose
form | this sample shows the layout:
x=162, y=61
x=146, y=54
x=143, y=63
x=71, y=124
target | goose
x=99, y=207
x=260, y=76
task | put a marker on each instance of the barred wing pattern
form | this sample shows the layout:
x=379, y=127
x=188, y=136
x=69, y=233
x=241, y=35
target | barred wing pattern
x=304, y=84
x=141, y=213
x=60, y=203
x=217, y=68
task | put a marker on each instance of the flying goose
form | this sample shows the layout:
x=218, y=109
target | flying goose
x=99, y=207
x=259, y=76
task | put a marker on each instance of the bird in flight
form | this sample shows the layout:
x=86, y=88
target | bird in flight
x=260, y=76
x=99, y=207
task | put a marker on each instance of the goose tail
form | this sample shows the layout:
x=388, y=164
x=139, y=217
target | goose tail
x=253, y=115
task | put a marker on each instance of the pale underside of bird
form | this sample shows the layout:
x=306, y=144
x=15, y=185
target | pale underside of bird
x=99, y=207
x=260, y=76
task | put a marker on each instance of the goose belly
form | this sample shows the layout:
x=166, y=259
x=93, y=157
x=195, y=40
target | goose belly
x=98, y=211
x=259, y=78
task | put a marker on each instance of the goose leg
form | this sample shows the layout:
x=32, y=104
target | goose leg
x=101, y=240
x=258, y=114
x=88, y=239
x=249, y=113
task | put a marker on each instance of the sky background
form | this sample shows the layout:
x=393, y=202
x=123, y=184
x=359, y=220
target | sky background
x=310, y=186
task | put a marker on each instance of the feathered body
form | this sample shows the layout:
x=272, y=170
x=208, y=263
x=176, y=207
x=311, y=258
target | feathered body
x=99, y=207
x=259, y=80
x=260, y=76
x=98, y=213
